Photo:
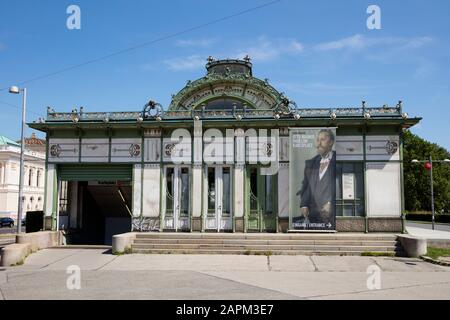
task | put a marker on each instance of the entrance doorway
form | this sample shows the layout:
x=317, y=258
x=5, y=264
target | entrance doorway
x=93, y=211
x=177, y=191
x=95, y=202
x=261, y=201
x=219, y=198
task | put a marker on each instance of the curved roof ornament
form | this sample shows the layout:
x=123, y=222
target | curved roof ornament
x=231, y=78
x=152, y=110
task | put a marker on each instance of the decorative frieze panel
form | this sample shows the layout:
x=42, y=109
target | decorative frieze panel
x=152, y=150
x=259, y=99
x=177, y=151
x=219, y=150
x=349, y=148
x=152, y=132
x=261, y=150
x=63, y=150
x=284, y=148
x=382, y=148
x=126, y=150
x=94, y=150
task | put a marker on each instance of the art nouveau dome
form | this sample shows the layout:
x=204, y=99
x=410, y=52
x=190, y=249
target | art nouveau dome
x=229, y=84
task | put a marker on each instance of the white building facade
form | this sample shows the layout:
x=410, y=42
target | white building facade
x=34, y=178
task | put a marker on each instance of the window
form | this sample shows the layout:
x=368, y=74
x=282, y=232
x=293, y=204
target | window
x=350, y=189
x=38, y=178
x=30, y=177
x=211, y=190
x=170, y=177
x=224, y=104
x=63, y=198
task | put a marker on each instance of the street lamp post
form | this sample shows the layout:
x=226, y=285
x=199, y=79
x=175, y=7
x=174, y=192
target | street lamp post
x=432, y=193
x=16, y=90
x=429, y=166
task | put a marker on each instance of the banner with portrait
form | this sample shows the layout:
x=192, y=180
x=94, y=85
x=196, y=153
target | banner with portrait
x=312, y=179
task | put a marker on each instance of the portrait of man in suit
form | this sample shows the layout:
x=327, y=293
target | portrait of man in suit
x=317, y=190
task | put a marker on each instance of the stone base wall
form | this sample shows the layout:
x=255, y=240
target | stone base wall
x=343, y=224
x=196, y=224
x=385, y=224
x=283, y=224
x=238, y=224
x=48, y=222
x=350, y=224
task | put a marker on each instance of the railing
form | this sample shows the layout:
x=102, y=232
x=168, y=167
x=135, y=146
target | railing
x=240, y=113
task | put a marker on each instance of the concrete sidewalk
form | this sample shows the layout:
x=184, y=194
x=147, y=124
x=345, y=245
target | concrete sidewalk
x=428, y=233
x=139, y=276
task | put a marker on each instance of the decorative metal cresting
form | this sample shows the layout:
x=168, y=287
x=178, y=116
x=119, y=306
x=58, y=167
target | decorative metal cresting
x=152, y=110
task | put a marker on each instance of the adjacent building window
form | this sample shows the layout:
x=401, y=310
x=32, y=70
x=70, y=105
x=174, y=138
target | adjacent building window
x=63, y=198
x=38, y=178
x=30, y=177
x=350, y=189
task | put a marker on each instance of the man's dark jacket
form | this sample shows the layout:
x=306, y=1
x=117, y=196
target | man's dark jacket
x=316, y=192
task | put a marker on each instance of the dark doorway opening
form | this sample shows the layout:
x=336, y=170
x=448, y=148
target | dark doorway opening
x=96, y=210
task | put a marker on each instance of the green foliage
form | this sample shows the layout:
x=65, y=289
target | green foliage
x=417, y=179
x=127, y=250
x=426, y=217
x=435, y=253
x=377, y=254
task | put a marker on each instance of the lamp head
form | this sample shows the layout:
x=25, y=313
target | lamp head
x=14, y=89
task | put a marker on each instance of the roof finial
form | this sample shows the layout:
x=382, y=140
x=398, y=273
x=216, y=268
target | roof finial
x=210, y=59
x=247, y=58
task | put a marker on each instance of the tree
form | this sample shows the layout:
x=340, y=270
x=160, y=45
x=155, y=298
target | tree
x=417, y=179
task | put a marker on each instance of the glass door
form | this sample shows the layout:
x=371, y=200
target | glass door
x=219, y=200
x=177, y=198
x=261, y=200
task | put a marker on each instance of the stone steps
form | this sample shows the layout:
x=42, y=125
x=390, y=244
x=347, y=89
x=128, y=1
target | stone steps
x=230, y=242
x=264, y=236
x=260, y=252
x=266, y=243
x=262, y=247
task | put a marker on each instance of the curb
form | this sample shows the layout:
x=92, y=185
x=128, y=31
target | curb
x=434, y=261
x=81, y=246
x=7, y=235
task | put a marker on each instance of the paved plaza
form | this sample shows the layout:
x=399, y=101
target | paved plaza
x=44, y=275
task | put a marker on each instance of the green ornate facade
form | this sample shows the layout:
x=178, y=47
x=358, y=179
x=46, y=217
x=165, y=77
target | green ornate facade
x=137, y=161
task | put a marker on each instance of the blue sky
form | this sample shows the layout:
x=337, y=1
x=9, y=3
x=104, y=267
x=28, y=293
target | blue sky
x=320, y=53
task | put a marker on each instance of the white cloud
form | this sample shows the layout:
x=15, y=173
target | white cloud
x=263, y=50
x=184, y=43
x=358, y=42
x=354, y=42
x=266, y=49
x=187, y=63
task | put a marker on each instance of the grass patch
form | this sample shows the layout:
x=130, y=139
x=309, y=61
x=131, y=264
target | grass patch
x=377, y=254
x=127, y=250
x=257, y=253
x=435, y=253
x=19, y=263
